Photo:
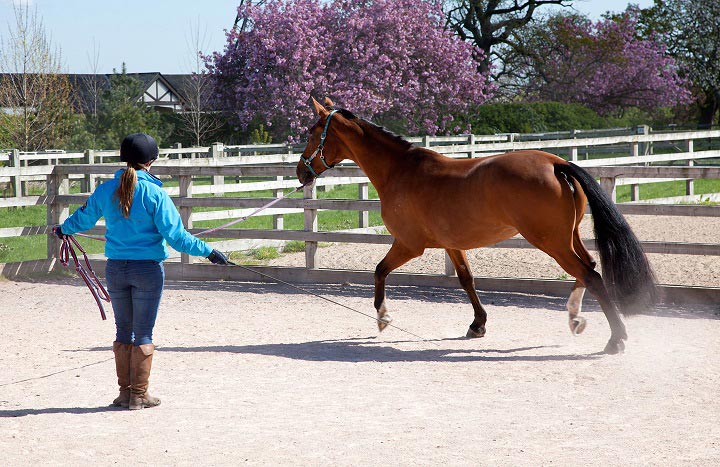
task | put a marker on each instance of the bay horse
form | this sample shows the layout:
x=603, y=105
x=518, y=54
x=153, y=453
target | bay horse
x=429, y=200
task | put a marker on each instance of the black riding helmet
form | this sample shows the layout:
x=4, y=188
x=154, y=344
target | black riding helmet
x=138, y=148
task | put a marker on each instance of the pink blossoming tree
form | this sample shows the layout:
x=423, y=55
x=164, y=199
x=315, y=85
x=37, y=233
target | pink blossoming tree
x=603, y=65
x=390, y=61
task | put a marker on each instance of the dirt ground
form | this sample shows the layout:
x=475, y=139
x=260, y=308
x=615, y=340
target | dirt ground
x=260, y=374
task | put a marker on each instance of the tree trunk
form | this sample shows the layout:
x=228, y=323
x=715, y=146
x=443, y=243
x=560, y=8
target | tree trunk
x=707, y=107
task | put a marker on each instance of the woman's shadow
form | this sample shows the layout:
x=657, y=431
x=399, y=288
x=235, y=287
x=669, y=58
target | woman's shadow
x=53, y=410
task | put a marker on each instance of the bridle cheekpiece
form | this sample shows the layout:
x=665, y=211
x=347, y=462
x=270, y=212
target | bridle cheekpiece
x=319, y=150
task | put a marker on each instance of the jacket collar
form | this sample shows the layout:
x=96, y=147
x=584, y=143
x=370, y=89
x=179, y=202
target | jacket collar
x=142, y=175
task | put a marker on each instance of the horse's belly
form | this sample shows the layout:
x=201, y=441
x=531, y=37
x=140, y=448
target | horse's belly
x=475, y=236
x=452, y=233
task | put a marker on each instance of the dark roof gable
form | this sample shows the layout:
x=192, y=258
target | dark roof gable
x=159, y=90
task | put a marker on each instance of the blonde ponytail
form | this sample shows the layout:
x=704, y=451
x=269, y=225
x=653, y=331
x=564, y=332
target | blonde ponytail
x=126, y=189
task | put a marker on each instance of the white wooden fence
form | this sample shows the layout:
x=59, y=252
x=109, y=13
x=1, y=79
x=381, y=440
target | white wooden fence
x=233, y=170
x=679, y=147
x=58, y=201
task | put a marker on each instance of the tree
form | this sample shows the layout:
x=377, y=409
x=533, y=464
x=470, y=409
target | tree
x=490, y=25
x=365, y=54
x=122, y=112
x=198, y=120
x=602, y=65
x=87, y=127
x=692, y=32
x=91, y=82
x=35, y=94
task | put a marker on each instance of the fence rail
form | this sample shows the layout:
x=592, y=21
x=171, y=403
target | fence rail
x=247, y=175
x=686, y=147
x=58, y=201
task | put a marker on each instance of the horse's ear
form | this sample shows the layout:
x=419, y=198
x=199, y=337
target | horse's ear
x=319, y=109
x=328, y=102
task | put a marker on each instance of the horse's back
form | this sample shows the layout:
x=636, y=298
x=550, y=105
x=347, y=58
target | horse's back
x=503, y=176
x=525, y=165
x=469, y=203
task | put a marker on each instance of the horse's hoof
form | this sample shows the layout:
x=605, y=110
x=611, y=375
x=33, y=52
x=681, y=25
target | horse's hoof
x=475, y=334
x=383, y=322
x=577, y=325
x=615, y=347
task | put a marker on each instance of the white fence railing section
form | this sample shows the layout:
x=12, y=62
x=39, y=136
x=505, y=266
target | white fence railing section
x=218, y=170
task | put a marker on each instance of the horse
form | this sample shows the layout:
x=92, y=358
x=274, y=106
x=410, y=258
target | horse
x=429, y=200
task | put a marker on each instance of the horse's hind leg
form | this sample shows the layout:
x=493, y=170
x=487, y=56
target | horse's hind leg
x=459, y=260
x=584, y=271
x=571, y=262
x=574, y=303
x=396, y=257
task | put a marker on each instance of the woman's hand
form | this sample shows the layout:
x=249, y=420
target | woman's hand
x=218, y=257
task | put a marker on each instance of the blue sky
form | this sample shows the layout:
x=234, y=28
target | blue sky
x=153, y=35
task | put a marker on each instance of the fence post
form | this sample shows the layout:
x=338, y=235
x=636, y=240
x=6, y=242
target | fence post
x=690, y=184
x=646, y=147
x=311, y=225
x=16, y=180
x=363, y=216
x=278, y=219
x=573, y=150
x=573, y=153
x=216, y=152
x=449, y=267
x=186, y=186
x=177, y=146
x=56, y=185
x=471, y=142
x=634, y=188
x=89, y=182
x=608, y=184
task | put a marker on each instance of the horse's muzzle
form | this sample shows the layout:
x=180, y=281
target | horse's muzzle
x=303, y=174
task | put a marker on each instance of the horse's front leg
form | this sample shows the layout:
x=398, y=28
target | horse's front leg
x=396, y=257
x=462, y=267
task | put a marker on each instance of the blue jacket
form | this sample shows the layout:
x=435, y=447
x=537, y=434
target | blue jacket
x=153, y=221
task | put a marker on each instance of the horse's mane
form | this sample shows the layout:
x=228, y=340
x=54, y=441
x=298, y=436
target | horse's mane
x=381, y=129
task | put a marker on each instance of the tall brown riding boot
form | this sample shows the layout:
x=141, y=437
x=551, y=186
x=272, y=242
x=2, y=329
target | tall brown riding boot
x=141, y=363
x=122, y=368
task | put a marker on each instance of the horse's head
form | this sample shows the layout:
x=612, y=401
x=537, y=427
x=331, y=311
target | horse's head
x=326, y=145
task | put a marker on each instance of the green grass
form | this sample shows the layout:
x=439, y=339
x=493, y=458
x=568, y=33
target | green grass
x=265, y=253
x=255, y=257
x=327, y=220
x=294, y=246
x=668, y=189
x=32, y=247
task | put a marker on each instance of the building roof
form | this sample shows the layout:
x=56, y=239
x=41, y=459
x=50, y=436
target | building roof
x=160, y=91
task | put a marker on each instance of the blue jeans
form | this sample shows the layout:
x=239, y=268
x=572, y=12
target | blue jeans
x=135, y=288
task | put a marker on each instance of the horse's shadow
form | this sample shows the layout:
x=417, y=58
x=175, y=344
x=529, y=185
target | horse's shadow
x=436, y=294
x=432, y=294
x=361, y=350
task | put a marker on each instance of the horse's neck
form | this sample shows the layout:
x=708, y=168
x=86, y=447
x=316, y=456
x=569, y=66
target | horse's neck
x=379, y=158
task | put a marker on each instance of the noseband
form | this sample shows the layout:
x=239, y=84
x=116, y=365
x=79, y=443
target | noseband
x=319, y=150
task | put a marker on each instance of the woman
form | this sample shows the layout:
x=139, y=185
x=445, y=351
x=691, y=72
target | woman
x=140, y=218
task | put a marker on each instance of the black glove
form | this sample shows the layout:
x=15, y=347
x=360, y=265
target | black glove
x=218, y=257
x=58, y=232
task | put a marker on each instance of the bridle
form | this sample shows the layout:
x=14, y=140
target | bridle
x=319, y=150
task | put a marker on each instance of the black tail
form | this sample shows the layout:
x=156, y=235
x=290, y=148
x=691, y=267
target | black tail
x=626, y=272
